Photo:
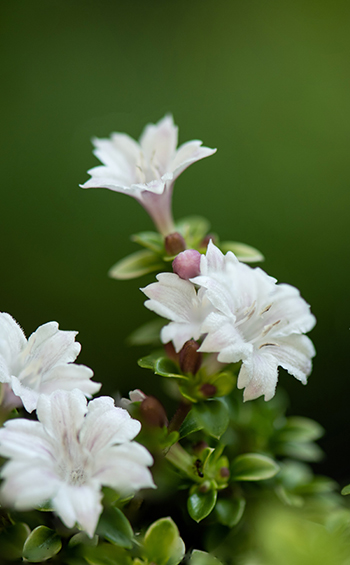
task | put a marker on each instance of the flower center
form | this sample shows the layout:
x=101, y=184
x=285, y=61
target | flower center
x=147, y=171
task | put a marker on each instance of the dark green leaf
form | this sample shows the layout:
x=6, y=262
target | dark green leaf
x=163, y=544
x=136, y=265
x=115, y=527
x=253, y=467
x=41, y=544
x=190, y=425
x=200, y=504
x=12, y=540
x=229, y=511
x=213, y=416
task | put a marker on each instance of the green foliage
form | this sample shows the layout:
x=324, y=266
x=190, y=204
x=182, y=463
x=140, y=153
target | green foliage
x=201, y=501
x=135, y=265
x=253, y=467
x=12, y=540
x=229, y=511
x=41, y=544
x=202, y=558
x=162, y=543
x=114, y=527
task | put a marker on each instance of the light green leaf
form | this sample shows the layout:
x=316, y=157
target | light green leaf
x=346, y=490
x=147, y=334
x=41, y=544
x=318, y=485
x=203, y=558
x=136, y=265
x=115, y=527
x=200, y=504
x=253, y=467
x=193, y=229
x=300, y=429
x=300, y=450
x=12, y=540
x=151, y=240
x=229, y=511
x=213, y=416
x=243, y=252
x=224, y=383
x=163, y=544
x=106, y=554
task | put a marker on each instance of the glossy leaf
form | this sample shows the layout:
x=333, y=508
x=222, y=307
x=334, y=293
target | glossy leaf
x=213, y=416
x=229, y=511
x=41, y=544
x=190, y=425
x=253, y=467
x=243, y=252
x=200, y=504
x=115, y=527
x=12, y=540
x=162, y=543
x=203, y=558
x=161, y=365
x=106, y=554
x=136, y=265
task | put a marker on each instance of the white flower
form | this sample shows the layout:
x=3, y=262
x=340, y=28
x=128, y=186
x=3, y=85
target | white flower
x=66, y=457
x=177, y=299
x=256, y=322
x=41, y=364
x=146, y=170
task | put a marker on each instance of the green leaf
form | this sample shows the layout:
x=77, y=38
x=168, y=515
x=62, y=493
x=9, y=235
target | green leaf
x=106, y=554
x=190, y=425
x=300, y=429
x=229, y=511
x=163, y=544
x=149, y=239
x=203, y=558
x=300, y=450
x=346, y=490
x=147, y=334
x=115, y=527
x=41, y=544
x=136, y=265
x=243, y=252
x=224, y=383
x=200, y=504
x=161, y=365
x=253, y=467
x=213, y=416
x=318, y=485
x=12, y=540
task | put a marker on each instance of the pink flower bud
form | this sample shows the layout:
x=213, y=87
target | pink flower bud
x=187, y=264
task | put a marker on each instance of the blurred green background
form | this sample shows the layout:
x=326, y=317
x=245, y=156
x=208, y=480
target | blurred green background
x=267, y=83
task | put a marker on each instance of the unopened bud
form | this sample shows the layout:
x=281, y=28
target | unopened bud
x=153, y=412
x=170, y=351
x=208, y=390
x=187, y=264
x=174, y=243
x=189, y=358
x=224, y=472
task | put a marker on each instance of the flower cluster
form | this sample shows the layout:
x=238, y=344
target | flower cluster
x=239, y=313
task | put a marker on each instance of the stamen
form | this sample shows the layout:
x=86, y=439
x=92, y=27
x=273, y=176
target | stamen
x=265, y=309
x=247, y=314
x=267, y=344
x=269, y=327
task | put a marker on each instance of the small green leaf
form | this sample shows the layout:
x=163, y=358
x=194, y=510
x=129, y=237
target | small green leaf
x=161, y=365
x=106, y=554
x=224, y=383
x=346, y=490
x=136, y=265
x=41, y=544
x=300, y=429
x=115, y=527
x=193, y=229
x=203, y=558
x=147, y=334
x=213, y=416
x=149, y=239
x=253, y=467
x=163, y=544
x=318, y=485
x=12, y=540
x=300, y=450
x=243, y=252
x=229, y=511
x=190, y=425
x=200, y=504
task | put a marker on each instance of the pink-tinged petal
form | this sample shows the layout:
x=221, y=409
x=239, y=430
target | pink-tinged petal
x=79, y=504
x=189, y=153
x=120, y=153
x=69, y=377
x=171, y=297
x=106, y=425
x=25, y=439
x=155, y=186
x=124, y=468
x=62, y=413
x=12, y=338
x=259, y=376
x=27, y=484
x=159, y=141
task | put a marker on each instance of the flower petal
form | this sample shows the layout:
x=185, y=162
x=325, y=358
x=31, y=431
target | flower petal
x=158, y=142
x=189, y=153
x=79, y=504
x=62, y=413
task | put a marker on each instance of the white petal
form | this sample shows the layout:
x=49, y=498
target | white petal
x=189, y=153
x=79, y=504
x=62, y=413
x=294, y=354
x=171, y=297
x=179, y=333
x=25, y=439
x=159, y=141
x=258, y=375
x=28, y=396
x=68, y=377
x=106, y=424
x=12, y=338
x=119, y=154
x=224, y=338
x=27, y=484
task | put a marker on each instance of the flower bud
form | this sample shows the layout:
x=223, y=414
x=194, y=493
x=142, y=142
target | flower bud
x=208, y=390
x=153, y=413
x=190, y=360
x=187, y=264
x=224, y=472
x=174, y=243
x=206, y=239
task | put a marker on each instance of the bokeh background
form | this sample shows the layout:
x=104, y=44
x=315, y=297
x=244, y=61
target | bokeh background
x=267, y=83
